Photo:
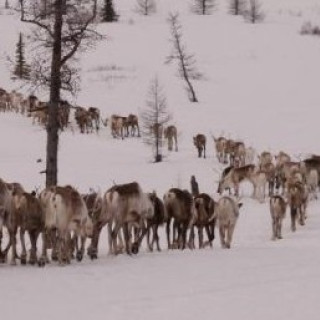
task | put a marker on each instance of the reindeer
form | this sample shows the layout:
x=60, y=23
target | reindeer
x=283, y=174
x=226, y=212
x=118, y=124
x=83, y=119
x=179, y=205
x=264, y=158
x=160, y=217
x=297, y=199
x=171, y=134
x=234, y=176
x=204, y=207
x=127, y=204
x=200, y=143
x=29, y=217
x=220, y=145
x=66, y=212
x=133, y=123
x=282, y=158
x=278, y=208
x=312, y=183
x=5, y=213
x=94, y=114
x=238, y=154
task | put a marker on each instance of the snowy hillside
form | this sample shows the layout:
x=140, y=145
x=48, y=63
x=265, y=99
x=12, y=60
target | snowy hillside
x=260, y=85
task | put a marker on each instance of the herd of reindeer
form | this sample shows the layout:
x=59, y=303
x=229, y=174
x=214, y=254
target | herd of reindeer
x=66, y=219
x=88, y=120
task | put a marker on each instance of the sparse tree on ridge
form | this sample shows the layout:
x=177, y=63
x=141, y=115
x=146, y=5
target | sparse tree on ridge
x=108, y=12
x=237, y=7
x=254, y=13
x=146, y=7
x=21, y=69
x=154, y=117
x=203, y=6
x=186, y=62
x=66, y=30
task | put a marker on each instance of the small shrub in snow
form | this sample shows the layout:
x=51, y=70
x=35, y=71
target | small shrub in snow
x=203, y=6
x=237, y=7
x=145, y=7
x=254, y=13
x=308, y=28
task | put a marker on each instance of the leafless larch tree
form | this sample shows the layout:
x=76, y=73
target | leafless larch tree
x=62, y=28
x=154, y=117
x=186, y=62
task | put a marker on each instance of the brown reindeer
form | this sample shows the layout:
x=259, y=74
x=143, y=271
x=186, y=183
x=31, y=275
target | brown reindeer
x=200, y=143
x=282, y=158
x=297, y=199
x=235, y=176
x=83, y=120
x=171, y=134
x=133, y=123
x=179, y=205
x=95, y=117
x=264, y=158
x=204, y=207
x=278, y=208
x=29, y=217
x=159, y=218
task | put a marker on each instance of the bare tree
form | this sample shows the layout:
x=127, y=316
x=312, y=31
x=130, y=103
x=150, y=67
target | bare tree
x=154, y=117
x=254, y=13
x=203, y=6
x=186, y=62
x=64, y=31
x=146, y=7
x=237, y=7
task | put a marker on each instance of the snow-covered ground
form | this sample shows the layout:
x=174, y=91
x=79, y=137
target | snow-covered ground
x=260, y=85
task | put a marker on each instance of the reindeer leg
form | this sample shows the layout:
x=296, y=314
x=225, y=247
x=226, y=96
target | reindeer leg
x=191, y=238
x=14, y=246
x=23, y=256
x=156, y=236
x=33, y=234
x=200, y=235
x=274, y=229
x=150, y=245
x=222, y=236
x=44, y=258
x=168, y=233
x=293, y=219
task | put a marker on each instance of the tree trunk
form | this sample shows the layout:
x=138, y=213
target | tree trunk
x=55, y=86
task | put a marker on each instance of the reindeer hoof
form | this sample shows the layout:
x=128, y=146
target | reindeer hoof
x=32, y=261
x=93, y=256
x=23, y=260
x=135, y=248
x=41, y=262
x=79, y=256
